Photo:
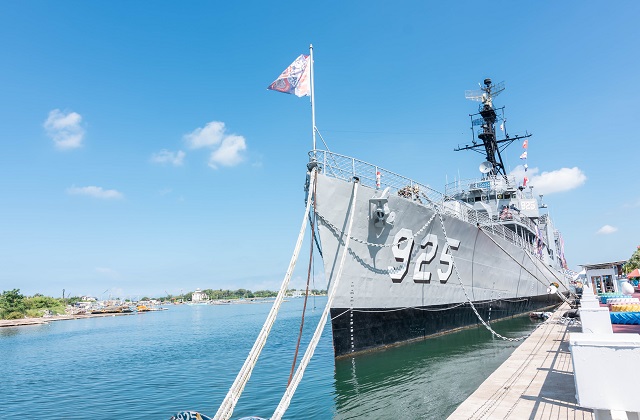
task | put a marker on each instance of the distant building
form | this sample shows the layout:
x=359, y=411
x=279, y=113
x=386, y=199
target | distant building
x=199, y=296
x=603, y=277
x=295, y=293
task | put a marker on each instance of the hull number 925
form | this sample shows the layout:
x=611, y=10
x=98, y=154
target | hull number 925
x=403, y=248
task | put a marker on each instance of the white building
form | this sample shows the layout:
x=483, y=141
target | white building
x=603, y=277
x=199, y=296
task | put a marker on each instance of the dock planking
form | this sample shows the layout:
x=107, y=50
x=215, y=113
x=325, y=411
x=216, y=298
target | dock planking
x=536, y=382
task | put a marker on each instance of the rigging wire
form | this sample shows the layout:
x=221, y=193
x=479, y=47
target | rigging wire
x=233, y=395
x=312, y=195
x=291, y=389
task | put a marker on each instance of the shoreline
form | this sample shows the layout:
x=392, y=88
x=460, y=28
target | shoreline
x=5, y=323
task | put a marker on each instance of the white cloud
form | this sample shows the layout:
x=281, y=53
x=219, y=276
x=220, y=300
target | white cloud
x=227, y=148
x=65, y=130
x=165, y=156
x=96, y=192
x=229, y=153
x=211, y=135
x=560, y=180
x=607, y=230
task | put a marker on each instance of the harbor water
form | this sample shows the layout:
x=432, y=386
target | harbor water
x=153, y=365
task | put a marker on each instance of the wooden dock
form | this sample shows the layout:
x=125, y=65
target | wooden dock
x=536, y=382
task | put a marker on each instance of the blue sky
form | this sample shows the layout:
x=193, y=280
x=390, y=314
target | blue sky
x=142, y=153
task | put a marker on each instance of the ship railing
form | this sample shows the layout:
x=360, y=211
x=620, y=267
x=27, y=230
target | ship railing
x=514, y=217
x=491, y=225
x=346, y=168
x=494, y=183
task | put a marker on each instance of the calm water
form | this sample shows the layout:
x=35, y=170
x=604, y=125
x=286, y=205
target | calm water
x=153, y=365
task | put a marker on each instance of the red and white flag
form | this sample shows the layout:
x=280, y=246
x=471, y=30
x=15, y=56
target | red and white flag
x=525, y=144
x=524, y=184
x=295, y=79
x=523, y=156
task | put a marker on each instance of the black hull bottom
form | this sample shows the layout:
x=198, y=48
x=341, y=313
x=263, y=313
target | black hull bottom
x=355, y=331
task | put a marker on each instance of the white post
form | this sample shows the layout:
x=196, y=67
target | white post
x=313, y=104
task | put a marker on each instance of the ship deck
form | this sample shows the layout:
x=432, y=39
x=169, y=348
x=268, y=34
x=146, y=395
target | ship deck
x=536, y=382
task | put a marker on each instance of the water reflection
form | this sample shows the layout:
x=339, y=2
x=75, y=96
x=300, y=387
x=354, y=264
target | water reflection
x=425, y=379
x=9, y=331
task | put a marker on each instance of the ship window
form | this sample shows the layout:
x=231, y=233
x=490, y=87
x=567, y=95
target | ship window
x=470, y=200
x=499, y=196
x=477, y=198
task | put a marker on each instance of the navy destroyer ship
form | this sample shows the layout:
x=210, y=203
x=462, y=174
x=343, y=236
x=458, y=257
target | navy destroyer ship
x=421, y=262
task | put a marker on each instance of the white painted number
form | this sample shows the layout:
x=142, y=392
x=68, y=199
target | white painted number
x=402, y=248
x=402, y=255
x=448, y=260
x=425, y=258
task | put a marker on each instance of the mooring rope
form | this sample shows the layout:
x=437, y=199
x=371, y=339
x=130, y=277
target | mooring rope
x=231, y=399
x=312, y=195
x=291, y=388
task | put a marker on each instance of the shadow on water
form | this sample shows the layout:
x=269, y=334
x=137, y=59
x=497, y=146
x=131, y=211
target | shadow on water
x=425, y=379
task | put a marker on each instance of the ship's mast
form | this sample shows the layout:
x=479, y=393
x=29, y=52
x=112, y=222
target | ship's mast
x=487, y=133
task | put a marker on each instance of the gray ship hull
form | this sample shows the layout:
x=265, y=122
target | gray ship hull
x=393, y=293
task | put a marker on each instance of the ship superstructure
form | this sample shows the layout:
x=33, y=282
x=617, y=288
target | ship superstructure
x=421, y=262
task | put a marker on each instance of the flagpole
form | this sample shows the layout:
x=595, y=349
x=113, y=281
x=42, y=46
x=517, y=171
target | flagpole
x=313, y=104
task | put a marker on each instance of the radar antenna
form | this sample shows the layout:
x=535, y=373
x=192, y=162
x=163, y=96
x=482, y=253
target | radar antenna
x=487, y=122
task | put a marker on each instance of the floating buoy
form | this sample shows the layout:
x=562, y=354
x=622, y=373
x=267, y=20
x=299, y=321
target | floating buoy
x=627, y=288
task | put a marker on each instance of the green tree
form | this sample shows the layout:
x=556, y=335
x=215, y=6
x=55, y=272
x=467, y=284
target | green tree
x=12, y=304
x=73, y=300
x=633, y=263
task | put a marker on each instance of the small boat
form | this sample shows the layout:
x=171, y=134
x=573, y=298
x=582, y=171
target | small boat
x=540, y=315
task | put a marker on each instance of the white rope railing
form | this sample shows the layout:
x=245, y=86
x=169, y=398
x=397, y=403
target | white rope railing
x=297, y=377
x=232, y=397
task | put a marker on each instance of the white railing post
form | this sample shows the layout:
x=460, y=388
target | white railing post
x=375, y=176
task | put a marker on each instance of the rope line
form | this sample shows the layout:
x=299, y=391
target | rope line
x=312, y=195
x=231, y=399
x=464, y=290
x=291, y=388
x=336, y=230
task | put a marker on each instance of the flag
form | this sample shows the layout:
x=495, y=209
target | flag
x=524, y=184
x=539, y=241
x=525, y=144
x=526, y=167
x=524, y=155
x=502, y=126
x=295, y=79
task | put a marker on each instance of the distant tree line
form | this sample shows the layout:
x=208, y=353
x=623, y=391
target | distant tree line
x=14, y=305
x=226, y=294
x=633, y=263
